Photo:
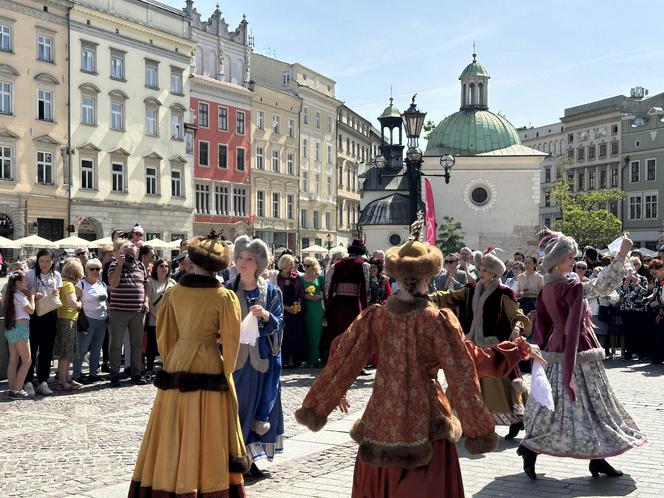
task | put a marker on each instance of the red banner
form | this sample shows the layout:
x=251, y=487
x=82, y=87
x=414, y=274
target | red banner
x=430, y=214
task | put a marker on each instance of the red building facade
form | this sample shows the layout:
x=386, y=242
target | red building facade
x=222, y=153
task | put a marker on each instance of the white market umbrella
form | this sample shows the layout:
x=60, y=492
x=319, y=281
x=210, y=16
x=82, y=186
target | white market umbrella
x=73, y=241
x=6, y=243
x=158, y=244
x=36, y=241
x=314, y=249
x=175, y=244
x=105, y=242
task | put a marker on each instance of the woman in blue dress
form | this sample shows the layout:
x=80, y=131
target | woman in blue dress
x=258, y=367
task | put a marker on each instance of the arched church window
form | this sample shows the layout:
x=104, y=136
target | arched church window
x=465, y=95
x=472, y=94
x=480, y=94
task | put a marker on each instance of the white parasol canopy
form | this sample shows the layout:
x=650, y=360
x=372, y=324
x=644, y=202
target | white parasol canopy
x=36, y=241
x=158, y=244
x=105, y=242
x=6, y=243
x=314, y=249
x=74, y=241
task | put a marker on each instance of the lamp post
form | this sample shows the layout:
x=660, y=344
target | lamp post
x=413, y=121
x=329, y=242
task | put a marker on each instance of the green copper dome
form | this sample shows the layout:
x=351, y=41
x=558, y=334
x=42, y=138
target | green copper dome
x=390, y=111
x=474, y=69
x=470, y=132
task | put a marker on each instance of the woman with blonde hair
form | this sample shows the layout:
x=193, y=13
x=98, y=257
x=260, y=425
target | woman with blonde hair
x=65, y=348
x=314, y=285
x=288, y=280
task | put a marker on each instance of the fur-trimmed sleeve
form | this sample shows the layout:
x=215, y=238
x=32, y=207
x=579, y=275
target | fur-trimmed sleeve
x=353, y=348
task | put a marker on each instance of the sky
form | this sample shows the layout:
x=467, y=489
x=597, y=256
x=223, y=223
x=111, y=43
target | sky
x=543, y=56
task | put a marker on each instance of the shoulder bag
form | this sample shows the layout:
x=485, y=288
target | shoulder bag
x=48, y=302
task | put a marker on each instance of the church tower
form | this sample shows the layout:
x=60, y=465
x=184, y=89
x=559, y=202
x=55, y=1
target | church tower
x=474, y=86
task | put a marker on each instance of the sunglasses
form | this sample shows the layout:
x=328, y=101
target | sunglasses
x=451, y=260
x=81, y=253
x=94, y=269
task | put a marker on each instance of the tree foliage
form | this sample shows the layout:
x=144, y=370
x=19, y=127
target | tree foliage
x=428, y=127
x=450, y=236
x=584, y=214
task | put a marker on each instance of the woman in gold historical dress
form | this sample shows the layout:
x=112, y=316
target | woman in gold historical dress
x=193, y=444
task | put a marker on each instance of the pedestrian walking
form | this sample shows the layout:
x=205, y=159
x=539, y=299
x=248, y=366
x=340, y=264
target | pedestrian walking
x=314, y=285
x=18, y=305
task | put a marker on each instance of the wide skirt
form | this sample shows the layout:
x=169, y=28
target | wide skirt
x=505, y=404
x=594, y=426
x=186, y=449
x=441, y=478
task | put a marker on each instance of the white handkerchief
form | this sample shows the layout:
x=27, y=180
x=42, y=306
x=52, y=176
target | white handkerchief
x=540, y=388
x=249, y=330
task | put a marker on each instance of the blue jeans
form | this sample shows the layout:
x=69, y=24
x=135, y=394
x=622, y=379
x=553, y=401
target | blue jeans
x=92, y=339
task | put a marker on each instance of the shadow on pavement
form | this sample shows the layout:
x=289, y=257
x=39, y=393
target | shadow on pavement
x=519, y=484
x=646, y=369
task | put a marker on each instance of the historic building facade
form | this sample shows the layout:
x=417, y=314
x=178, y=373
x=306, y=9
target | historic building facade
x=274, y=165
x=33, y=119
x=130, y=104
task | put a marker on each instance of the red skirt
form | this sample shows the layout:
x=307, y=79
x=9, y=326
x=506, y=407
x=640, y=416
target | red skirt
x=440, y=479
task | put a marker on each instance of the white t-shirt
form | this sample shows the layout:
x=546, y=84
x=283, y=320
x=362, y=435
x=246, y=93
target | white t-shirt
x=44, y=283
x=21, y=301
x=94, y=299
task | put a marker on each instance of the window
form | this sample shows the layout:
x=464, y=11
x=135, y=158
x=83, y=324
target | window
x=329, y=123
x=614, y=177
x=591, y=179
x=176, y=183
x=6, y=161
x=651, y=170
x=222, y=119
x=329, y=185
x=570, y=154
x=44, y=168
x=177, y=125
x=45, y=48
x=275, y=124
x=117, y=177
x=290, y=206
x=5, y=97
x=602, y=150
x=88, y=58
x=635, y=207
x=276, y=205
x=340, y=215
x=203, y=153
x=328, y=220
x=329, y=154
x=203, y=198
x=221, y=200
x=318, y=120
x=547, y=198
x=285, y=78
x=5, y=38
x=602, y=178
x=117, y=115
x=239, y=122
x=581, y=180
x=340, y=176
x=203, y=116
x=239, y=159
x=614, y=148
x=317, y=183
x=87, y=174
x=240, y=201
x=290, y=164
x=176, y=81
x=348, y=146
x=305, y=181
x=547, y=175
x=581, y=154
x=316, y=220
x=151, y=120
x=613, y=208
x=275, y=161
x=152, y=75
x=479, y=196
x=304, y=218
x=260, y=158
x=260, y=203
x=88, y=105
x=189, y=141
x=117, y=66
x=591, y=152
x=44, y=105
x=634, y=171
x=317, y=150
x=260, y=120
x=305, y=148
x=151, y=183
x=305, y=115
x=650, y=204
x=547, y=221
x=614, y=129
x=291, y=128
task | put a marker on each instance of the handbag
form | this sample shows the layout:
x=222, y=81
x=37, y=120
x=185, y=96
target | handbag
x=47, y=303
x=82, y=322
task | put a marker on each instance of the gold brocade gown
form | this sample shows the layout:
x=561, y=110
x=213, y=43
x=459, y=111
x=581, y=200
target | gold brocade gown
x=193, y=444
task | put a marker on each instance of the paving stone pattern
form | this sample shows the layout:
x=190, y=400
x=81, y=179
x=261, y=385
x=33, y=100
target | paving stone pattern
x=85, y=443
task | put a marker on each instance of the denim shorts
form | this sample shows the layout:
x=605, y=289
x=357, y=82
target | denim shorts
x=20, y=332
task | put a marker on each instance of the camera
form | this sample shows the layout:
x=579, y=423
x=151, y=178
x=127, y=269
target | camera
x=130, y=258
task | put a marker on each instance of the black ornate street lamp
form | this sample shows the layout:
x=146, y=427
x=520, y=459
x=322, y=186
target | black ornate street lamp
x=329, y=242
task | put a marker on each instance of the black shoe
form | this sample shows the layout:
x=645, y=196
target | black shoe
x=598, y=467
x=105, y=368
x=82, y=380
x=529, y=458
x=115, y=380
x=514, y=430
x=256, y=473
x=364, y=371
x=93, y=378
x=137, y=380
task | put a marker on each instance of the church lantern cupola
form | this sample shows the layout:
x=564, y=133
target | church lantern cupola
x=474, y=86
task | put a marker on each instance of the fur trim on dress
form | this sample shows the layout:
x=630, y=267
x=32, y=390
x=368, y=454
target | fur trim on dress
x=187, y=382
x=441, y=427
x=239, y=464
x=309, y=418
x=481, y=444
x=199, y=281
x=397, y=306
x=589, y=355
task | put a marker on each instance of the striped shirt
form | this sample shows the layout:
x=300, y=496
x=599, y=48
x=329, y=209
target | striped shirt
x=129, y=295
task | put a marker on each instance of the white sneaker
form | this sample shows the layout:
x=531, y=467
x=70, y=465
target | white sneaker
x=44, y=389
x=29, y=388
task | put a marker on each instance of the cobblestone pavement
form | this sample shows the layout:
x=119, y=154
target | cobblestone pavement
x=85, y=444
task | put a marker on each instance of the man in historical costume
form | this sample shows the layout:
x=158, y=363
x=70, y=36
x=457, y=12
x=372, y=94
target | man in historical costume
x=408, y=432
x=489, y=314
x=347, y=294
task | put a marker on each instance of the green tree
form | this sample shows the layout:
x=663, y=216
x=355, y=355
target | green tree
x=428, y=127
x=584, y=214
x=450, y=236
